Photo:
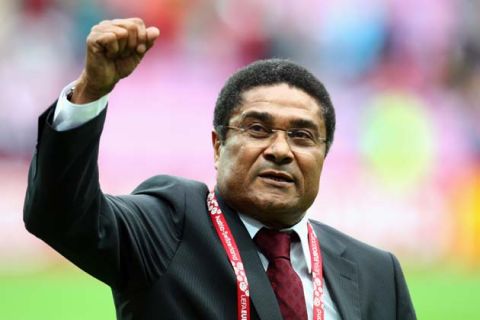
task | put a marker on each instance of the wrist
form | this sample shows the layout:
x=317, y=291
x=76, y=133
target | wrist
x=82, y=92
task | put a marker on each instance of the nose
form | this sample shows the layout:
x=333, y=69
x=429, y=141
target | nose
x=279, y=151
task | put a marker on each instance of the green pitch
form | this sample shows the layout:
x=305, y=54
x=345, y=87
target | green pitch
x=61, y=294
x=445, y=293
x=69, y=294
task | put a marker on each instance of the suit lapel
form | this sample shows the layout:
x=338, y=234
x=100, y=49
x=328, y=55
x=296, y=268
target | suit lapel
x=261, y=292
x=340, y=275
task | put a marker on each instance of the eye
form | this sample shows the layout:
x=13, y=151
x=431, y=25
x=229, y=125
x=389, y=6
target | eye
x=301, y=135
x=258, y=130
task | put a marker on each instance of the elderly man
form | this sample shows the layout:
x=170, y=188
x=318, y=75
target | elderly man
x=175, y=250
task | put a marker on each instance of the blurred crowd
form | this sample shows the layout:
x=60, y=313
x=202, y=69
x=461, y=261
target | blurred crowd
x=423, y=47
x=404, y=76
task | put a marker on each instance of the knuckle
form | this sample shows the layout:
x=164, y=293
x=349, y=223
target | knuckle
x=122, y=32
x=92, y=38
x=137, y=20
x=103, y=22
x=131, y=27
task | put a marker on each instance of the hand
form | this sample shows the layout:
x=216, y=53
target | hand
x=114, y=50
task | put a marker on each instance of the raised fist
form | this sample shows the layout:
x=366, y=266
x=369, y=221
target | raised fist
x=114, y=50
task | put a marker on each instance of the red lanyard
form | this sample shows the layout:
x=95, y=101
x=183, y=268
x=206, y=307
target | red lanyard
x=231, y=249
x=317, y=274
x=230, y=246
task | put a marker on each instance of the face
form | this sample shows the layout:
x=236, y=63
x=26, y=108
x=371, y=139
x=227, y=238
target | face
x=276, y=179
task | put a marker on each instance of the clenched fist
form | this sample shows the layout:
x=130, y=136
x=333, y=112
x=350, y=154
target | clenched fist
x=114, y=49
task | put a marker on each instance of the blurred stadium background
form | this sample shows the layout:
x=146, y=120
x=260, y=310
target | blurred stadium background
x=403, y=173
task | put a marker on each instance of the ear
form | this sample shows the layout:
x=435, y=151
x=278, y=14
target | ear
x=217, y=146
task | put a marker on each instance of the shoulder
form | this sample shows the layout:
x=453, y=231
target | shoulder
x=376, y=272
x=167, y=183
x=338, y=242
x=173, y=189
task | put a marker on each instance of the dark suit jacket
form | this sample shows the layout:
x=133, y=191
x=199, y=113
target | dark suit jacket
x=159, y=251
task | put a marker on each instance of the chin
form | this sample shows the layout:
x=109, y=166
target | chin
x=274, y=204
x=277, y=208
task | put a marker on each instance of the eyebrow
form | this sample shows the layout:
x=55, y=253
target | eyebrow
x=303, y=123
x=268, y=118
x=262, y=116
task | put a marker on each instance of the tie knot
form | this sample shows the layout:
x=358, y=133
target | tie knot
x=273, y=244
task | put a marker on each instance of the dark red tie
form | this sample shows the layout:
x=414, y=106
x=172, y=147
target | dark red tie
x=285, y=281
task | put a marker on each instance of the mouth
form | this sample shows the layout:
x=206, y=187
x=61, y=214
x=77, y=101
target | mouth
x=277, y=177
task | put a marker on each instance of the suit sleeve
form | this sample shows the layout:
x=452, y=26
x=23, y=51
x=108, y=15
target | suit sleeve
x=125, y=241
x=405, y=308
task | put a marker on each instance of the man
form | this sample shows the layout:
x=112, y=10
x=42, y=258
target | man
x=171, y=249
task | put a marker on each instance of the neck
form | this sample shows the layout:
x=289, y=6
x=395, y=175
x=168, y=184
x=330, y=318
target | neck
x=275, y=224
x=274, y=219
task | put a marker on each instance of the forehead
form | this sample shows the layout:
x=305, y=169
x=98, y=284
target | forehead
x=281, y=101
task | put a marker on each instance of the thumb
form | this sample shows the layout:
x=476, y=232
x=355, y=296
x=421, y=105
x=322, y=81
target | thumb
x=152, y=33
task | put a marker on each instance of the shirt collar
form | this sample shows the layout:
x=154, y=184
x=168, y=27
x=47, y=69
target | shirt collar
x=301, y=228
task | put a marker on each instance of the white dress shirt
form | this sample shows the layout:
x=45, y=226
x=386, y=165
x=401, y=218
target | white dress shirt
x=69, y=116
x=301, y=263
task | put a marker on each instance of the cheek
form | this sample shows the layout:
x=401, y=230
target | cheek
x=234, y=165
x=311, y=167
